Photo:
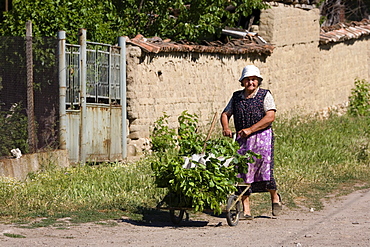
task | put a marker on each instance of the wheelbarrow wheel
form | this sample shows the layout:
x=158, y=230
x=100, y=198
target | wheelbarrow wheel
x=233, y=210
x=176, y=216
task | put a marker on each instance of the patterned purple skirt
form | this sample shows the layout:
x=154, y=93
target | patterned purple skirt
x=260, y=174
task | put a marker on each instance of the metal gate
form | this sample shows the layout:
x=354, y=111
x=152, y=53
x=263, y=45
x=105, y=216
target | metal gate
x=92, y=85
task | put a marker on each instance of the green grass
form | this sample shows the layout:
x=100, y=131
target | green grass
x=83, y=193
x=313, y=159
x=11, y=235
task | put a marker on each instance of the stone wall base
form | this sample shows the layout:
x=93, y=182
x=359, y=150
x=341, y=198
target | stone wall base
x=20, y=168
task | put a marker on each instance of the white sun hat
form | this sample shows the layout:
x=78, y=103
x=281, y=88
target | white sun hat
x=250, y=70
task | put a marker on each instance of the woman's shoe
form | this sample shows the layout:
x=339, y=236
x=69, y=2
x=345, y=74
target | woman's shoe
x=277, y=207
x=245, y=217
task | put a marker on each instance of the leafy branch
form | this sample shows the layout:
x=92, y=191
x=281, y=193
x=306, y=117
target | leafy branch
x=213, y=175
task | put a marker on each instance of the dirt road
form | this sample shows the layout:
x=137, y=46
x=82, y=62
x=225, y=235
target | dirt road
x=343, y=222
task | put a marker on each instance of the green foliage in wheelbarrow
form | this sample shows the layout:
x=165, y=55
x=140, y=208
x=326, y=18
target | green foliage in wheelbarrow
x=205, y=185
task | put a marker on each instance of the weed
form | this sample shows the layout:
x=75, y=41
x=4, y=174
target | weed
x=11, y=235
x=109, y=224
x=44, y=223
x=359, y=101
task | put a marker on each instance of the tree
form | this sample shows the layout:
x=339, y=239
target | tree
x=49, y=16
x=193, y=20
x=335, y=11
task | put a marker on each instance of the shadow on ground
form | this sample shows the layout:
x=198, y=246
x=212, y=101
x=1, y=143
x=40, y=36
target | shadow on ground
x=161, y=218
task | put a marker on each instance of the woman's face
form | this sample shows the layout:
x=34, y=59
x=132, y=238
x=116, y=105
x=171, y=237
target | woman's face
x=250, y=83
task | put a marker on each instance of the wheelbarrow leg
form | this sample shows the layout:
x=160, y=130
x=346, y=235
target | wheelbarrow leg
x=176, y=216
x=235, y=207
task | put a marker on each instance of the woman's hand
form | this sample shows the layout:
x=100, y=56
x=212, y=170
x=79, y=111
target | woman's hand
x=245, y=132
x=260, y=125
x=225, y=124
x=227, y=132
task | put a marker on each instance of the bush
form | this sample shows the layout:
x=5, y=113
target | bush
x=13, y=130
x=359, y=101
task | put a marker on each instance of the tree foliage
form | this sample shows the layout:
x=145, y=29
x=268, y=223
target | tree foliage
x=50, y=16
x=192, y=20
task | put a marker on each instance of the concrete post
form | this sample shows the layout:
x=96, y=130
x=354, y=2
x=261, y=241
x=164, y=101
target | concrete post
x=62, y=89
x=122, y=44
x=83, y=46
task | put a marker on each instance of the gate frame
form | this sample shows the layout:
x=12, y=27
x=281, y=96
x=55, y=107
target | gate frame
x=62, y=45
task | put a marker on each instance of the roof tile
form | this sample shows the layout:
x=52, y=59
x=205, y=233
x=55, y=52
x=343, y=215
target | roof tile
x=252, y=43
x=344, y=31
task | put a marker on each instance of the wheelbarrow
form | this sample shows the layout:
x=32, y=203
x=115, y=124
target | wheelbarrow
x=234, y=208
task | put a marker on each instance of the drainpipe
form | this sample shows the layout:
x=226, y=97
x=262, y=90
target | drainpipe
x=82, y=43
x=122, y=44
x=62, y=89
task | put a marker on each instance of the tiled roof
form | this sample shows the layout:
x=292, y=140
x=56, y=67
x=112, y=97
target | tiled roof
x=251, y=43
x=294, y=1
x=303, y=4
x=344, y=31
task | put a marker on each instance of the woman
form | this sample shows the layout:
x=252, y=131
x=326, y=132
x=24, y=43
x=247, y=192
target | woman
x=254, y=110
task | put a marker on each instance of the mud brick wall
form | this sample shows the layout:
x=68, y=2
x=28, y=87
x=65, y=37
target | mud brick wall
x=173, y=83
x=303, y=75
x=340, y=65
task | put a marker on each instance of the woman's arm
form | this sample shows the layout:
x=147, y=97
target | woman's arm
x=225, y=124
x=260, y=125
